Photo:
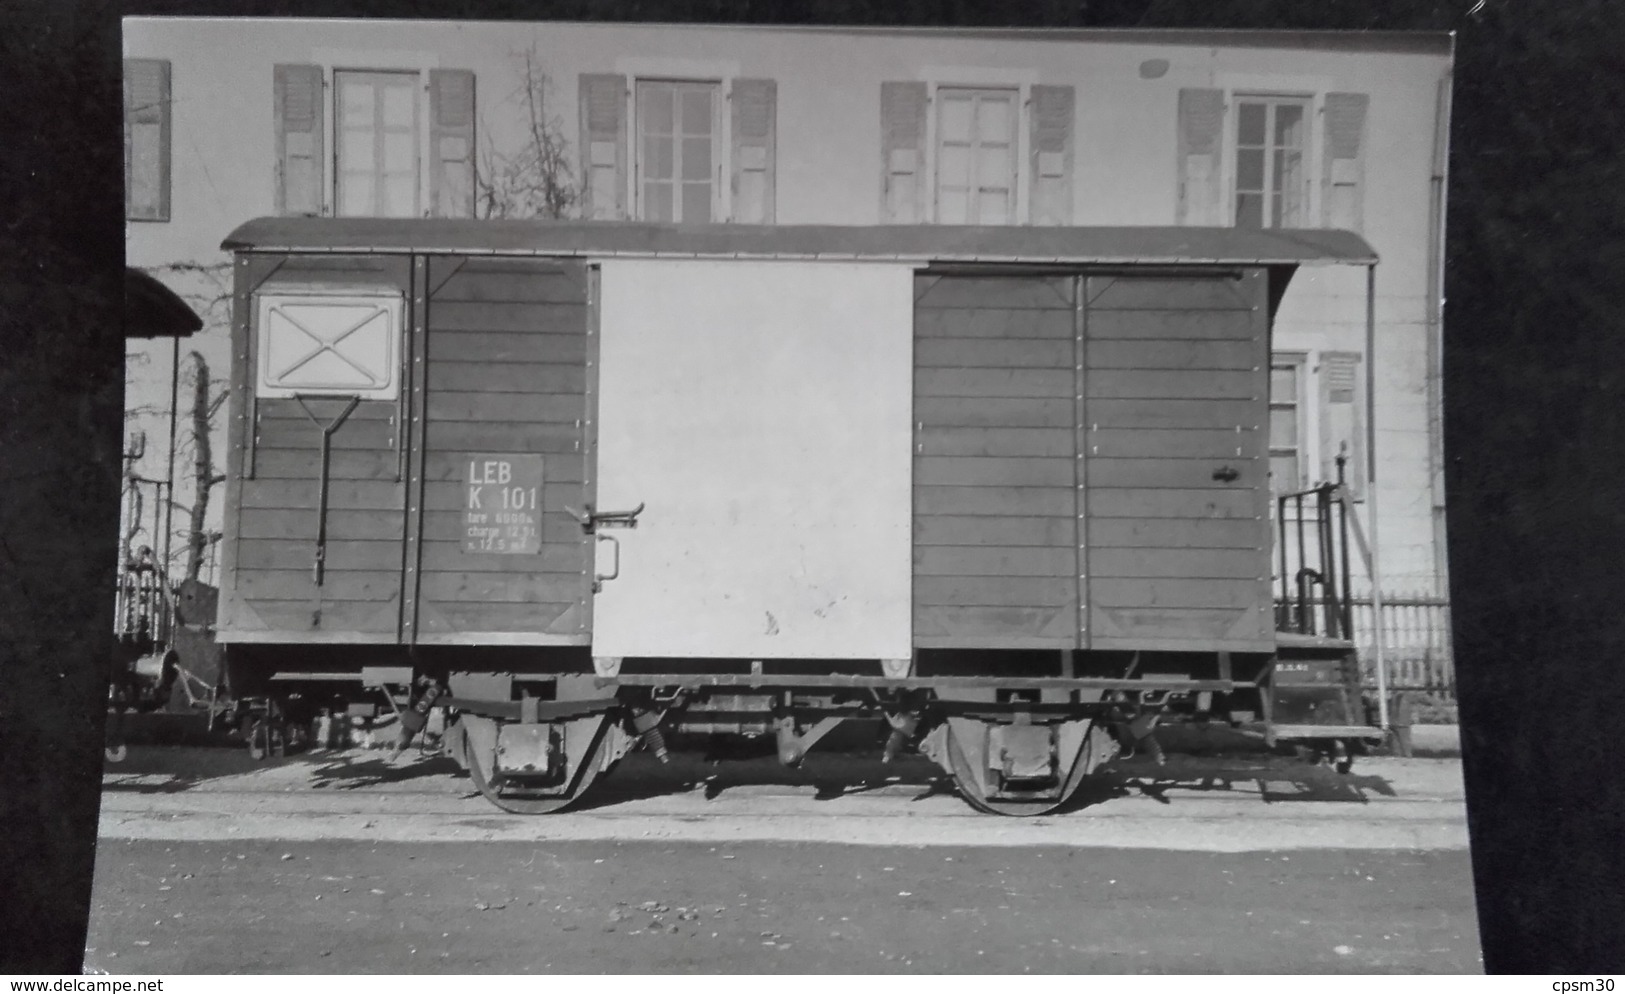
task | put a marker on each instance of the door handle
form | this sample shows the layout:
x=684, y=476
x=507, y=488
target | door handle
x=599, y=578
x=1226, y=474
x=592, y=520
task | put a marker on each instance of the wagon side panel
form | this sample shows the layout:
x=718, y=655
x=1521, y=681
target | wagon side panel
x=759, y=411
x=314, y=555
x=1176, y=462
x=499, y=558
x=995, y=498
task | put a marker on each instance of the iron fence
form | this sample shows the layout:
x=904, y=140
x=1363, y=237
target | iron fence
x=1415, y=631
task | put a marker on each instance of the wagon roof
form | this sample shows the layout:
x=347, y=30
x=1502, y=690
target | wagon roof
x=902, y=243
x=152, y=310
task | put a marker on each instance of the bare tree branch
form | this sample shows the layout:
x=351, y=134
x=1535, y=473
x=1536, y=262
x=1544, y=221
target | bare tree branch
x=536, y=179
x=204, y=476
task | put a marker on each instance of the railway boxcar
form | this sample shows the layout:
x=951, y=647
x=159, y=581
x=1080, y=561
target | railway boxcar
x=585, y=484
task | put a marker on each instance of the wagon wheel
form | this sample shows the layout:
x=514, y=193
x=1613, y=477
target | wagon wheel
x=1094, y=748
x=509, y=793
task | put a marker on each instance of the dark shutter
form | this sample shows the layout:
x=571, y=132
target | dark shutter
x=451, y=143
x=1051, y=199
x=146, y=139
x=603, y=146
x=1343, y=181
x=298, y=113
x=902, y=152
x=1342, y=418
x=1201, y=143
x=755, y=116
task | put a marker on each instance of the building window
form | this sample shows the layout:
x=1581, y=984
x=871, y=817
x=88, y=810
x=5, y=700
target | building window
x=1272, y=164
x=146, y=139
x=1286, y=423
x=376, y=127
x=677, y=151
x=976, y=156
x=380, y=164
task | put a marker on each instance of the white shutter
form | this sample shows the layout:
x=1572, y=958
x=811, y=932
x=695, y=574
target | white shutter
x=902, y=152
x=603, y=146
x=1342, y=418
x=1051, y=160
x=754, y=124
x=1201, y=144
x=297, y=109
x=1343, y=161
x=146, y=139
x=451, y=143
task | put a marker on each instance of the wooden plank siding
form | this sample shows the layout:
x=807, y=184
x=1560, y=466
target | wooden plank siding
x=1163, y=460
x=995, y=476
x=1177, y=462
x=501, y=348
x=507, y=346
x=268, y=578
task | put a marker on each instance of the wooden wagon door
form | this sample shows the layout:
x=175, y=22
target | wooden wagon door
x=313, y=553
x=996, y=385
x=496, y=557
x=1176, y=462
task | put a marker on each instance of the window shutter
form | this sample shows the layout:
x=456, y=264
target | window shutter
x=146, y=139
x=603, y=146
x=1051, y=198
x=1201, y=142
x=755, y=118
x=1342, y=419
x=451, y=143
x=902, y=152
x=298, y=112
x=1343, y=179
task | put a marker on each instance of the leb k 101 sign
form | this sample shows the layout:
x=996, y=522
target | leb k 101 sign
x=502, y=506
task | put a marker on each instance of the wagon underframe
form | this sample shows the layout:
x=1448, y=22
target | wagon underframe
x=1012, y=745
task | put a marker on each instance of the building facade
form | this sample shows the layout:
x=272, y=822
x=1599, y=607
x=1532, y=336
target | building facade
x=232, y=119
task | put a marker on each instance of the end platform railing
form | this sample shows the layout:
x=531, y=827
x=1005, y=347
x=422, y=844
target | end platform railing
x=1313, y=566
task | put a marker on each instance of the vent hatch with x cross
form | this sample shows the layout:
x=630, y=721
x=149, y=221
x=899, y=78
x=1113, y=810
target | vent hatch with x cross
x=335, y=344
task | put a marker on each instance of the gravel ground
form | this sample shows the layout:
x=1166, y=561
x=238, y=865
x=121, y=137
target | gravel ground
x=260, y=906
x=341, y=862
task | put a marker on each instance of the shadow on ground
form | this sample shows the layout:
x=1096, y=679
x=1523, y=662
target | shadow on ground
x=352, y=771
x=157, y=769
x=831, y=775
x=1272, y=779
